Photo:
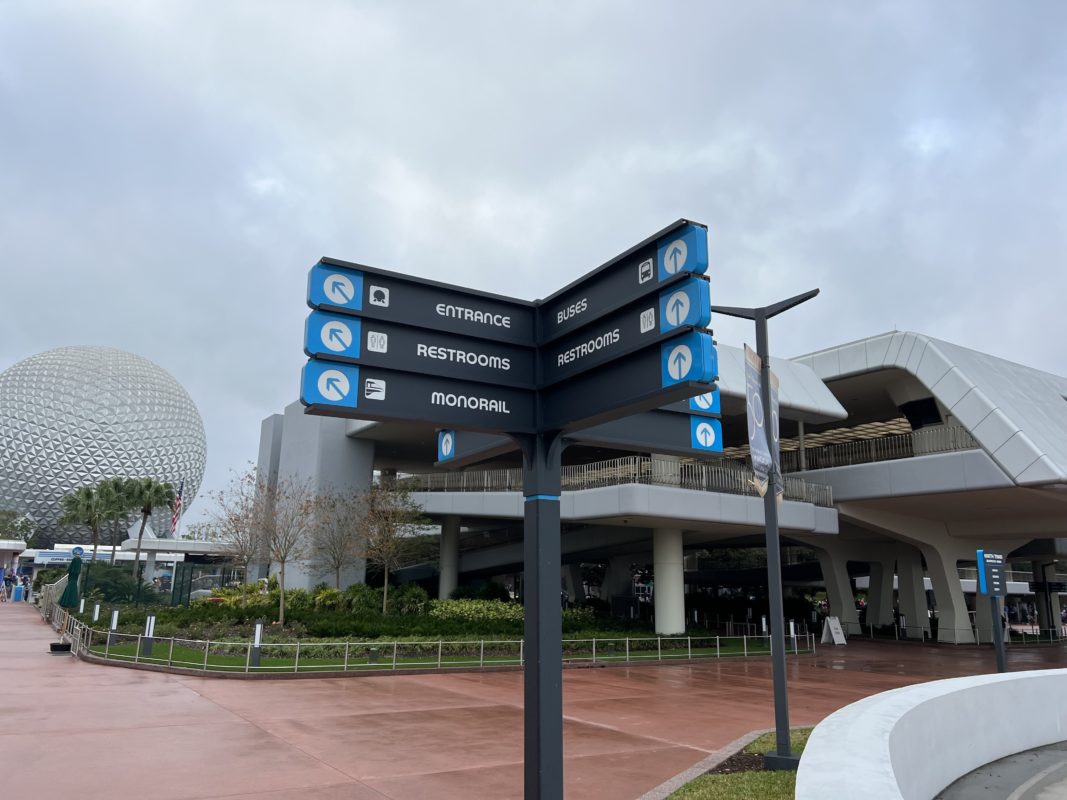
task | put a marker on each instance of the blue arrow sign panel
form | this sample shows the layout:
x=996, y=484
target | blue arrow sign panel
x=446, y=445
x=705, y=433
x=707, y=403
x=326, y=384
x=687, y=303
x=335, y=287
x=691, y=357
x=683, y=251
x=332, y=335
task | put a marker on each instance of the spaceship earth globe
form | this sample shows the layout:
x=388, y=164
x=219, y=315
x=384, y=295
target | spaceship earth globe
x=74, y=416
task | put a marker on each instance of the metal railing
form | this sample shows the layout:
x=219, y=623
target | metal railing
x=345, y=656
x=938, y=439
x=726, y=477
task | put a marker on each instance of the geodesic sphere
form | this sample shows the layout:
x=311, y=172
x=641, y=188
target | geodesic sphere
x=74, y=416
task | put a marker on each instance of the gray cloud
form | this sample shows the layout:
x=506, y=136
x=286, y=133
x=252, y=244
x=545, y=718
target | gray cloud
x=169, y=171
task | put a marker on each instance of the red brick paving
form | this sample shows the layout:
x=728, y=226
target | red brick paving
x=73, y=729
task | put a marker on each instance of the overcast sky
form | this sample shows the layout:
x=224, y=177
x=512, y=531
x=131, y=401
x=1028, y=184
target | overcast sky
x=170, y=170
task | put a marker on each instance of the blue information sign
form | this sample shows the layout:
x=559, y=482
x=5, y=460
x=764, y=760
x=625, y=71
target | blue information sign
x=691, y=357
x=706, y=434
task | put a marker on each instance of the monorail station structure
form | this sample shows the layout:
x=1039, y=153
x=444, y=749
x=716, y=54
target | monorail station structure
x=903, y=455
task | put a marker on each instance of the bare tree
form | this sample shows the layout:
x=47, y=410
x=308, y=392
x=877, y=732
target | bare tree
x=388, y=524
x=285, y=515
x=235, y=521
x=335, y=541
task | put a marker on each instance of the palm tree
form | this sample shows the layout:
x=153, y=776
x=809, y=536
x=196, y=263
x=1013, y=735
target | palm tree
x=83, y=507
x=146, y=494
x=114, y=494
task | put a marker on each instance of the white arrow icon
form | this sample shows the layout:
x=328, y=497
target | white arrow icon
x=704, y=401
x=336, y=336
x=674, y=256
x=338, y=289
x=705, y=434
x=333, y=385
x=446, y=444
x=677, y=308
x=679, y=362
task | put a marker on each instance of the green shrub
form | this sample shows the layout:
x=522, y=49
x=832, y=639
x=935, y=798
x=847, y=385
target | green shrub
x=328, y=599
x=408, y=598
x=297, y=599
x=46, y=576
x=578, y=618
x=363, y=599
x=476, y=611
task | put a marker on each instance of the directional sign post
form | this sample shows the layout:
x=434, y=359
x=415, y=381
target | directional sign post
x=992, y=582
x=492, y=373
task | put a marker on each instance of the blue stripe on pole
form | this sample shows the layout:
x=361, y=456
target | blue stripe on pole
x=549, y=497
x=981, y=572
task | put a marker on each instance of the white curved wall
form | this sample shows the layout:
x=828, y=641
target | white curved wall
x=910, y=743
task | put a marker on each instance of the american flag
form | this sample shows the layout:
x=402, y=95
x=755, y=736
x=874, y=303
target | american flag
x=176, y=516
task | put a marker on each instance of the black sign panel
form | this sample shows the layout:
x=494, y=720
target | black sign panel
x=676, y=252
x=379, y=294
x=359, y=392
x=651, y=432
x=648, y=378
x=376, y=343
x=656, y=317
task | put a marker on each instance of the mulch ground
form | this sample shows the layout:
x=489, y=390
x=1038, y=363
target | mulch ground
x=740, y=762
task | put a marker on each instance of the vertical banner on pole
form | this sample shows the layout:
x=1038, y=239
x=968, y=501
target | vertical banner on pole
x=776, y=455
x=757, y=433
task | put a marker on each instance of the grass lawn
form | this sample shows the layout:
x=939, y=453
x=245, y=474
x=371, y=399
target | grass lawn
x=756, y=785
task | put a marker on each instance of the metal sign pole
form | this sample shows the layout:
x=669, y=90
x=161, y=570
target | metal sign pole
x=998, y=634
x=783, y=757
x=543, y=624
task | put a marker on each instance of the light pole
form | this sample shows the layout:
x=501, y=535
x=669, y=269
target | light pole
x=783, y=757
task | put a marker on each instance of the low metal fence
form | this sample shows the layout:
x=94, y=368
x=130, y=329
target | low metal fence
x=344, y=656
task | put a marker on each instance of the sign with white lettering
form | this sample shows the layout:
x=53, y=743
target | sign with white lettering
x=666, y=258
x=371, y=293
x=687, y=303
x=625, y=386
x=346, y=390
x=991, y=578
x=376, y=343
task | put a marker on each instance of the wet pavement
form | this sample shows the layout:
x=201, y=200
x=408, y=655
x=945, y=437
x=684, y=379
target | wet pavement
x=74, y=729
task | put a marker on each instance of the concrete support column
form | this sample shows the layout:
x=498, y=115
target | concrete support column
x=150, y=567
x=618, y=580
x=669, y=594
x=800, y=443
x=448, y=564
x=880, y=593
x=953, y=621
x=572, y=580
x=911, y=592
x=839, y=594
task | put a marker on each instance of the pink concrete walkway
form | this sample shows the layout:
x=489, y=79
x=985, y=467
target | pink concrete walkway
x=72, y=729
